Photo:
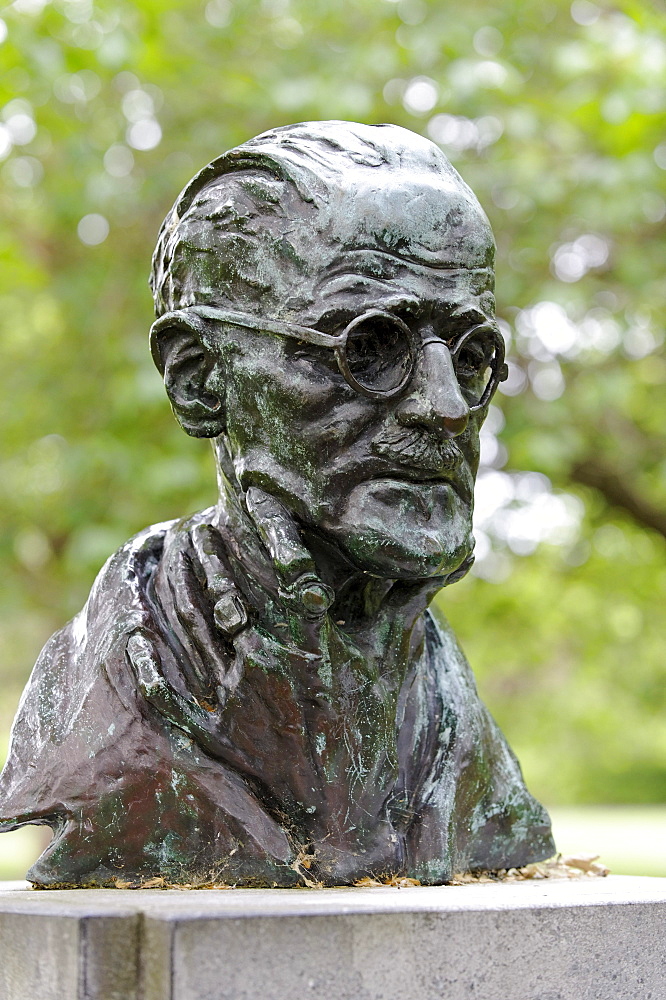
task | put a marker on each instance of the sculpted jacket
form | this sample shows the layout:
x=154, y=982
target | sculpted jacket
x=287, y=753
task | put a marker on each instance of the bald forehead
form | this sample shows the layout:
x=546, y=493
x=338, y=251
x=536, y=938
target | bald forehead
x=251, y=240
x=276, y=212
x=410, y=238
x=382, y=186
x=419, y=218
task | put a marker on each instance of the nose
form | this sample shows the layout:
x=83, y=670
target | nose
x=435, y=401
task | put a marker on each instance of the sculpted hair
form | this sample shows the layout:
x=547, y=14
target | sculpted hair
x=215, y=250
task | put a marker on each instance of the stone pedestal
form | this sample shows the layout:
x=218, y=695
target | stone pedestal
x=602, y=939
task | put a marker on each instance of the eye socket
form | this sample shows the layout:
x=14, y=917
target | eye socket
x=379, y=352
x=477, y=358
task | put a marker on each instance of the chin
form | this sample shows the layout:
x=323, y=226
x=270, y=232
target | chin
x=407, y=531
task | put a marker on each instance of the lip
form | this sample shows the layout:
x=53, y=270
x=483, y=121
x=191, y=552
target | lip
x=459, y=478
x=416, y=454
x=449, y=468
x=446, y=467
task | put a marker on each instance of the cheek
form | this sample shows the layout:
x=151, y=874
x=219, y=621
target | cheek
x=303, y=416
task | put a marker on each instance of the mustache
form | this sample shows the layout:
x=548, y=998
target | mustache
x=416, y=447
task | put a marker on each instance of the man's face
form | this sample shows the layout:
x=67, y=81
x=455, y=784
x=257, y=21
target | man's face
x=390, y=481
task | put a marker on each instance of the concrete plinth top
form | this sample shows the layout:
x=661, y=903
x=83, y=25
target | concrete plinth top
x=538, y=940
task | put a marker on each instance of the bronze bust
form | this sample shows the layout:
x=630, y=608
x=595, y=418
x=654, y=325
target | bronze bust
x=257, y=694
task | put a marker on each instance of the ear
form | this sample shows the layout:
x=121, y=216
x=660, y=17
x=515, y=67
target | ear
x=188, y=370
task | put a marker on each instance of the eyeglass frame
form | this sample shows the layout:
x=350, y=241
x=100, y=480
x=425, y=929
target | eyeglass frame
x=338, y=343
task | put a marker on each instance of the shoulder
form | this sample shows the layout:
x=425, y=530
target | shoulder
x=117, y=600
x=135, y=561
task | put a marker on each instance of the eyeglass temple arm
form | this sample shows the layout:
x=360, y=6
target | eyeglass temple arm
x=293, y=330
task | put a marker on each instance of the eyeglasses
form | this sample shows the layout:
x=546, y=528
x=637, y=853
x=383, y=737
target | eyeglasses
x=377, y=351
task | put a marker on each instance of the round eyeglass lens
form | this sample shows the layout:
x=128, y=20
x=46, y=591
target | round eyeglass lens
x=478, y=360
x=378, y=354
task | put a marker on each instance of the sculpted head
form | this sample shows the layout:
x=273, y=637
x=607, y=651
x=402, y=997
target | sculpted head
x=368, y=434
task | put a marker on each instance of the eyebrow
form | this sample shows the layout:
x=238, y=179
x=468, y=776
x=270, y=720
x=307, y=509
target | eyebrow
x=337, y=316
x=361, y=257
x=371, y=271
x=357, y=284
x=365, y=270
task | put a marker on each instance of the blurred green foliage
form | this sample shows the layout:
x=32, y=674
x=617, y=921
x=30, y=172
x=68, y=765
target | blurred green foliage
x=555, y=114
